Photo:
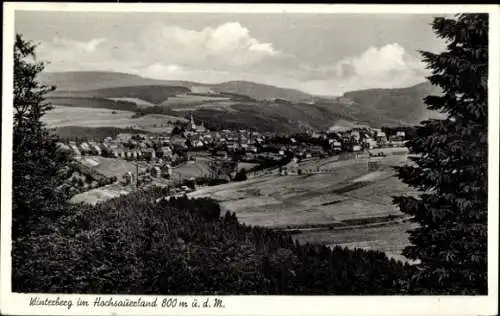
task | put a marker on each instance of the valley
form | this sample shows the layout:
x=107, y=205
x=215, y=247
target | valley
x=333, y=198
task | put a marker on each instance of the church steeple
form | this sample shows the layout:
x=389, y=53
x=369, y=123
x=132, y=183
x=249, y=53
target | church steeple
x=193, y=125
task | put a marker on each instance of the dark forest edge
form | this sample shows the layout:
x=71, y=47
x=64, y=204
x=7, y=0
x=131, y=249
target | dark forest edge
x=186, y=246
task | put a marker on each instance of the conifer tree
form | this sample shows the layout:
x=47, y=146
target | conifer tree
x=449, y=165
x=37, y=162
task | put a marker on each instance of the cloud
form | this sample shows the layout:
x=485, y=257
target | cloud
x=389, y=66
x=230, y=52
x=228, y=46
x=390, y=59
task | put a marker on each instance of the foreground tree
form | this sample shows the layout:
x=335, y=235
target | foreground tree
x=450, y=166
x=37, y=164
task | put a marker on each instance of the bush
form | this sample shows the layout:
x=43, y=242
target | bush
x=241, y=175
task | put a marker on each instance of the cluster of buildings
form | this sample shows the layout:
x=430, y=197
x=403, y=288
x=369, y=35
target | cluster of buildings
x=358, y=139
x=251, y=146
x=170, y=148
x=158, y=151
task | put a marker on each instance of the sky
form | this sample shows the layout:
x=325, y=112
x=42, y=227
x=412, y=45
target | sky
x=323, y=54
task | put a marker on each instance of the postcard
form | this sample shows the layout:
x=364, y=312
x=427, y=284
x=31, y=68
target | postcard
x=264, y=159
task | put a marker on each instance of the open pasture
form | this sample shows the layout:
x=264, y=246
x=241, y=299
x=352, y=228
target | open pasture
x=192, y=169
x=61, y=116
x=390, y=239
x=108, y=166
x=190, y=99
x=139, y=102
x=352, y=196
x=102, y=194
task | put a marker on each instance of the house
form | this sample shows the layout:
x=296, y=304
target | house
x=156, y=172
x=115, y=152
x=316, y=150
x=165, y=152
x=369, y=143
x=168, y=171
x=355, y=148
x=129, y=178
x=75, y=150
x=221, y=153
x=149, y=153
x=85, y=148
x=381, y=137
x=63, y=147
x=397, y=143
x=95, y=149
x=400, y=134
x=252, y=148
x=198, y=144
x=292, y=168
x=355, y=136
x=233, y=145
x=106, y=147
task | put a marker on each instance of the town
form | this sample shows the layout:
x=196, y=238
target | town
x=194, y=155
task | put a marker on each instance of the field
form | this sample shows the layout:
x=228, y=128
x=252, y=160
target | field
x=192, y=169
x=108, y=166
x=93, y=133
x=139, y=102
x=246, y=165
x=101, y=194
x=189, y=99
x=62, y=116
x=390, y=239
x=351, y=206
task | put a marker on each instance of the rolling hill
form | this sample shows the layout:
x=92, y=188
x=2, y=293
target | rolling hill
x=91, y=80
x=149, y=93
x=261, y=91
x=241, y=104
x=404, y=104
x=94, y=80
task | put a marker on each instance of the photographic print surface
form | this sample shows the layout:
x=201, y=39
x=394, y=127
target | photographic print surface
x=230, y=153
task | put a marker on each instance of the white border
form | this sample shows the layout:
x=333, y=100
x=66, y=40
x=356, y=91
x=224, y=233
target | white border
x=14, y=303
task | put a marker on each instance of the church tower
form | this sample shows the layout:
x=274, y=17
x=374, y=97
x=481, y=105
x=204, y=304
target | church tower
x=193, y=125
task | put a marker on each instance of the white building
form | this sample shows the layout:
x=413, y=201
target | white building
x=156, y=172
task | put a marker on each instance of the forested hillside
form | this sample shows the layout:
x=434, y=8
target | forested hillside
x=187, y=247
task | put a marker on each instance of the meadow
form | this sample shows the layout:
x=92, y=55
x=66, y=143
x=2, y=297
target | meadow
x=191, y=169
x=191, y=99
x=352, y=206
x=102, y=194
x=61, y=116
x=139, y=102
x=108, y=166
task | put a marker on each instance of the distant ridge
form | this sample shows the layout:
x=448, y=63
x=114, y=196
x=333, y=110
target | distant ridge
x=242, y=104
x=402, y=104
x=93, y=80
